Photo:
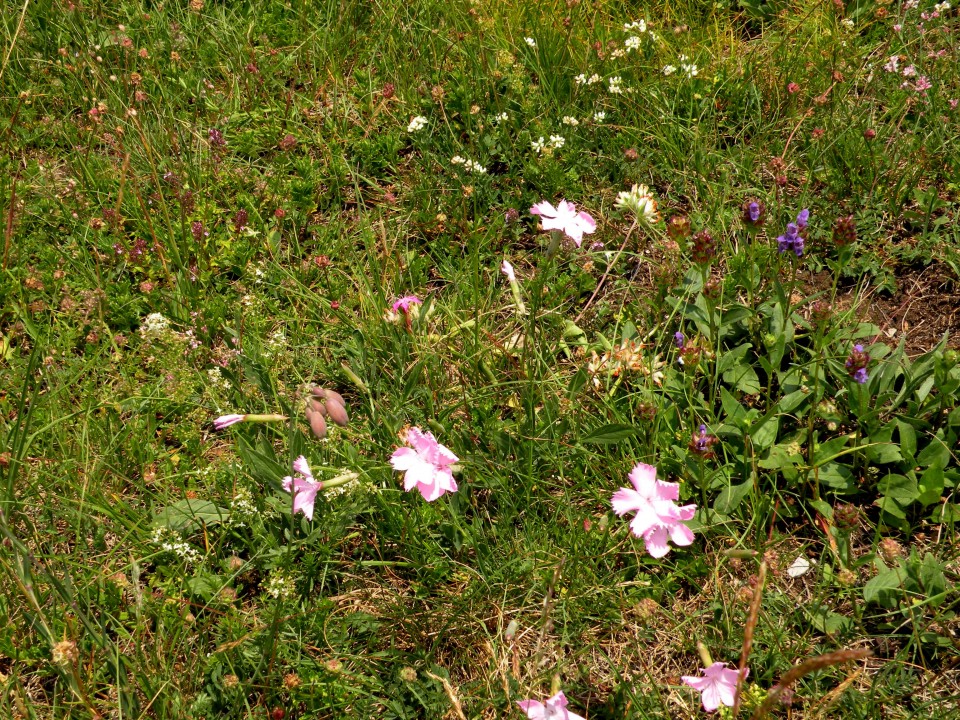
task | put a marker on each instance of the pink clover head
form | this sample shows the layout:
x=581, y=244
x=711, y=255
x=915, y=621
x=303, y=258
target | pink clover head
x=564, y=217
x=553, y=708
x=717, y=687
x=658, y=518
x=425, y=464
x=303, y=486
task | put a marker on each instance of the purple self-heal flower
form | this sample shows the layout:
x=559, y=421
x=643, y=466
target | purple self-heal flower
x=861, y=376
x=679, y=339
x=802, y=218
x=753, y=211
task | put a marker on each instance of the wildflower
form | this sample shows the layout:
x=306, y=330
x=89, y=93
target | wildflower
x=669, y=69
x=474, y=167
x=530, y=41
x=303, y=486
x=593, y=79
x=909, y=71
x=557, y=141
x=216, y=139
x=922, y=84
x=892, y=64
x=281, y=585
x=538, y=145
x=225, y=421
x=614, y=85
x=565, y=217
x=417, y=123
x=426, y=464
x=793, y=88
x=580, y=79
x=658, y=516
x=679, y=339
x=753, y=213
x=717, y=687
x=704, y=247
x=639, y=200
x=65, y=652
x=702, y=444
x=571, y=121
x=405, y=303
x=638, y=25
x=154, y=325
x=457, y=160
x=599, y=116
x=942, y=7
x=507, y=269
x=511, y=216
x=632, y=43
x=847, y=23
x=501, y=118
x=845, y=231
x=856, y=364
x=791, y=239
x=553, y=708
x=678, y=228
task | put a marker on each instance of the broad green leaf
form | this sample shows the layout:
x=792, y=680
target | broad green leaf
x=935, y=454
x=931, y=485
x=931, y=575
x=731, y=496
x=901, y=488
x=884, y=589
x=609, y=434
x=190, y=515
x=908, y=438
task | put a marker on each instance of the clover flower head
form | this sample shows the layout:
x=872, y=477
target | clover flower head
x=640, y=202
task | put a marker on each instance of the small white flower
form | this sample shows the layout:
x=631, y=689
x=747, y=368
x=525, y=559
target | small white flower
x=893, y=64
x=457, y=160
x=690, y=69
x=571, y=121
x=501, y=118
x=669, y=69
x=580, y=79
x=538, y=145
x=942, y=7
x=640, y=202
x=217, y=379
x=154, y=325
x=557, y=141
x=847, y=23
x=599, y=116
x=618, y=53
x=281, y=585
x=418, y=123
x=593, y=79
x=614, y=86
x=639, y=25
x=472, y=166
x=909, y=71
x=530, y=41
x=507, y=269
x=632, y=43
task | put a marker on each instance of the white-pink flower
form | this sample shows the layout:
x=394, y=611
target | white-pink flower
x=405, y=303
x=225, y=421
x=658, y=516
x=554, y=708
x=303, y=486
x=717, y=687
x=426, y=464
x=566, y=218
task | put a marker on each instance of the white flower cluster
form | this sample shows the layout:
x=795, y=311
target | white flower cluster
x=942, y=7
x=570, y=120
x=639, y=26
x=275, y=341
x=632, y=43
x=216, y=378
x=669, y=69
x=242, y=507
x=169, y=541
x=557, y=141
x=530, y=41
x=599, y=116
x=539, y=145
x=418, y=123
x=501, y=118
x=582, y=79
x=688, y=67
x=154, y=325
x=281, y=585
x=615, y=85
x=471, y=166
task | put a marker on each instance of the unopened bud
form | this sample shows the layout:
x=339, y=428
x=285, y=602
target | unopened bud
x=336, y=412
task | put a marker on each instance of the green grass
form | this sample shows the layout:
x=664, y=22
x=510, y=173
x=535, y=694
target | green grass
x=150, y=566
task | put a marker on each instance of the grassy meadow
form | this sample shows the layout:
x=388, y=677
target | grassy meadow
x=210, y=210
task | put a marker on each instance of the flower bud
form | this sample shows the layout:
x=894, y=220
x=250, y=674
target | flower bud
x=336, y=412
x=318, y=426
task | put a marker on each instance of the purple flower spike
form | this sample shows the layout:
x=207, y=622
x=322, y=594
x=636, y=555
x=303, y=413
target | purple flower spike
x=861, y=376
x=803, y=217
x=679, y=339
x=753, y=210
